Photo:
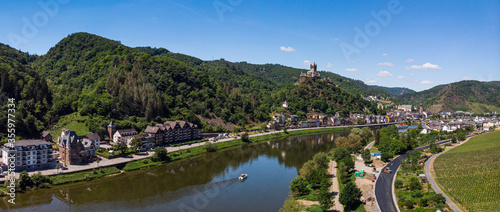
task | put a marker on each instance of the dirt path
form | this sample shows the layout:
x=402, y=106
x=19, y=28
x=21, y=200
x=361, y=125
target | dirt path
x=332, y=169
x=366, y=185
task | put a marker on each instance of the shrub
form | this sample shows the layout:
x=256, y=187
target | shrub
x=210, y=147
x=245, y=138
x=299, y=186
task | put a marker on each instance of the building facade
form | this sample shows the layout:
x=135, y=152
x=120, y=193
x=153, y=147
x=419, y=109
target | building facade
x=71, y=149
x=29, y=155
x=175, y=131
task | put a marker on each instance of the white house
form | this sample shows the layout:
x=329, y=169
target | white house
x=285, y=104
x=124, y=135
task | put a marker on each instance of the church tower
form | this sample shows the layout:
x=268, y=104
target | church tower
x=111, y=130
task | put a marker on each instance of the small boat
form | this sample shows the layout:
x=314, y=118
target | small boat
x=243, y=177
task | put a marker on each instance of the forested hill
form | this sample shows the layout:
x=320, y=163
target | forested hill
x=100, y=80
x=473, y=96
x=395, y=91
x=278, y=74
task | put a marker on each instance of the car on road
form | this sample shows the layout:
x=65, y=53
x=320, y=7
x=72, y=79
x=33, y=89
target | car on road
x=388, y=170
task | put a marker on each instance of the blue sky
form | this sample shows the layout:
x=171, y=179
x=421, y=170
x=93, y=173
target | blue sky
x=415, y=44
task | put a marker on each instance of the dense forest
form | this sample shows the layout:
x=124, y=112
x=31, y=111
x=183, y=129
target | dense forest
x=102, y=79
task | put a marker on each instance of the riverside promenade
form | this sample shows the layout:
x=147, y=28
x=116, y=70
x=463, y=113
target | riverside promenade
x=104, y=162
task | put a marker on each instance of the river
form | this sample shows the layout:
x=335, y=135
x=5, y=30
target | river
x=206, y=183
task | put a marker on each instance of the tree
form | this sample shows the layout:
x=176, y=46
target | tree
x=461, y=136
x=263, y=127
x=385, y=156
x=245, y=138
x=136, y=143
x=349, y=196
x=299, y=186
x=414, y=184
x=340, y=153
x=367, y=134
x=285, y=129
x=454, y=139
x=324, y=196
x=160, y=154
x=25, y=181
x=210, y=147
x=307, y=168
x=354, y=142
x=41, y=181
x=398, y=184
x=349, y=162
x=366, y=155
x=122, y=147
x=321, y=159
x=292, y=205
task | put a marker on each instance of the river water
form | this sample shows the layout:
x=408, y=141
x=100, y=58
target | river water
x=206, y=183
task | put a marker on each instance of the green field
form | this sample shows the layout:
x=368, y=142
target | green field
x=470, y=173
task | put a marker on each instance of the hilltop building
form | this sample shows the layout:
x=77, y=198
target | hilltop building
x=311, y=74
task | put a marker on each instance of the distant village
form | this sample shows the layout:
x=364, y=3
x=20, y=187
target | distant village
x=76, y=149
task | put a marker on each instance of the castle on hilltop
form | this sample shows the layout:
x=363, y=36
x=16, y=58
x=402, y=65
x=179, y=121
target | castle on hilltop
x=312, y=74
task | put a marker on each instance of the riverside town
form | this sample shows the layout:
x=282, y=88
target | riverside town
x=362, y=106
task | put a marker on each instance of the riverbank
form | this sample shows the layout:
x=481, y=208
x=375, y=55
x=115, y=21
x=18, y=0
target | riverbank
x=180, y=153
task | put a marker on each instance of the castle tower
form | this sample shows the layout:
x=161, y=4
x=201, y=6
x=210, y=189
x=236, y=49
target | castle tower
x=111, y=130
x=314, y=67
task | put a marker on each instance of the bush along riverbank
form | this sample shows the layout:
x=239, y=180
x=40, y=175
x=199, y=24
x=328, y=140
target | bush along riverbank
x=312, y=184
x=162, y=156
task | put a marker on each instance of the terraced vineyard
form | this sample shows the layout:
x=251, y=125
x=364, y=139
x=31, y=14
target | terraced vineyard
x=470, y=173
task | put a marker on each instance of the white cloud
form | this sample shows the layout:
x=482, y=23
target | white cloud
x=369, y=81
x=425, y=66
x=307, y=62
x=384, y=54
x=410, y=60
x=287, y=49
x=385, y=64
x=425, y=82
x=329, y=65
x=351, y=69
x=384, y=74
x=401, y=77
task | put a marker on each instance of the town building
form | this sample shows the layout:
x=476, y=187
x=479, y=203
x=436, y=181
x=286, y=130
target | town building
x=29, y=154
x=46, y=136
x=91, y=143
x=148, y=141
x=71, y=149
x=156, y=132
x=285, y=104
x=111, y=130
x=175, y=131
x=124, y=135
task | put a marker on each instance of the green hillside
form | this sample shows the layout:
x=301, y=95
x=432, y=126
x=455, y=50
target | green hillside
x=467, y=95
x=99, y=80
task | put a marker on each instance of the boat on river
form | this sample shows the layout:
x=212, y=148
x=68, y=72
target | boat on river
x=243, y=176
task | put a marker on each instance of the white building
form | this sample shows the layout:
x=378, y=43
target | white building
x=29, y=154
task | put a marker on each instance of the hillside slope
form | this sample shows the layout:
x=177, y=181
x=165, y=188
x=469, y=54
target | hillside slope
x=466, y=95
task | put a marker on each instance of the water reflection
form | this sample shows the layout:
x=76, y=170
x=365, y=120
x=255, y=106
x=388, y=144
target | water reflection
x=189, y=184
